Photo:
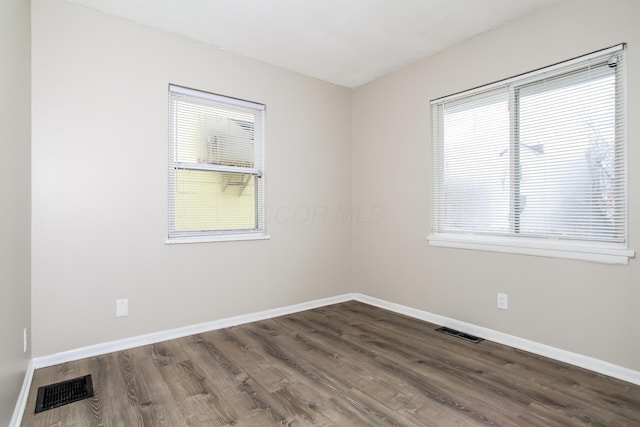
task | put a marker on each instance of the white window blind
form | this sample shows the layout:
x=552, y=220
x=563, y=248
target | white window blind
x=537, y=161
x=216, y=147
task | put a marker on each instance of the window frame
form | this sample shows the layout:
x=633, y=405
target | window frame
x=257, y=171
x=590, y=250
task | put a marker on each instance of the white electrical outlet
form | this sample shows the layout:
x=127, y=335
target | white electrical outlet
x=503, y=301
x=122, y=307
x=24, y=335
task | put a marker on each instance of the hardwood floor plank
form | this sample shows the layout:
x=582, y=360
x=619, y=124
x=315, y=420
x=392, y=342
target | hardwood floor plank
x=369, y=410
x=515, y=371
x=398, y=365
x=423, y=386
x=346, y=364
x=255, y=396
x=280, y=383
x=423, y=358
x=197, y=397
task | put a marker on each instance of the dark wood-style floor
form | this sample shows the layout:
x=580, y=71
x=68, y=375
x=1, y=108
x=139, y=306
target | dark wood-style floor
x=344, y=365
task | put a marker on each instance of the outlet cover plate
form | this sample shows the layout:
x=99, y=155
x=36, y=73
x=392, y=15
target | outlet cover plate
x=122, y=307
x=503, y=301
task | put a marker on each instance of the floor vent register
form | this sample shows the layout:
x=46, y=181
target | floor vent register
x=458, y=334
x=65, y=392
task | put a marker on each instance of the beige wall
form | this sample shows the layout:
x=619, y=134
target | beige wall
x=99, y=188
x=578, y=306
x=15, y=198
x=100, y=184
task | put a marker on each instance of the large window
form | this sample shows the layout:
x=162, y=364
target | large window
x=535, y=164
x=215, y=167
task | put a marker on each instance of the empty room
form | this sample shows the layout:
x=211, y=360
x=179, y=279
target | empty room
x=323, y=213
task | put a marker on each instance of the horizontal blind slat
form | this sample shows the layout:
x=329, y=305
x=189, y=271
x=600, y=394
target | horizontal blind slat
x=542, y=158
x=215, y=165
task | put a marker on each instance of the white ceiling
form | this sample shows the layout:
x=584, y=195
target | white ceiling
x=347, y=42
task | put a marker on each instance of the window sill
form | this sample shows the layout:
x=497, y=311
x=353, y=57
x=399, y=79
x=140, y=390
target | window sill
x=607, y=254
x=220, y=238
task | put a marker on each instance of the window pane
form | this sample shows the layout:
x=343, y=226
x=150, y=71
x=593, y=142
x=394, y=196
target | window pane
x=211, y=134
x=535, y=164
x=216, y=164
x=476, y=178
x=214, y=201
x=567, y=140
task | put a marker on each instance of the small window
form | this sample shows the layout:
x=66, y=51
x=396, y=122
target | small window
x=216, y=170
x=535, y=164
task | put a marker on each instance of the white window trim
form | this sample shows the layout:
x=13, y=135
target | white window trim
x=586, y=251
x=226, y=235
x=218, y=238
x=218, y=98
x=532, y=75
x=608, y=253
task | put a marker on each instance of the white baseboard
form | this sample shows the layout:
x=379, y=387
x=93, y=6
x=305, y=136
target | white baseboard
x=575, y=359
x=569, y=357
x=156, y=337
x=21, y=404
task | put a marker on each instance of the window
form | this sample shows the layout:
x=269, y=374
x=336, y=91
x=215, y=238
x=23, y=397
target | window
x=535, y=164
x=216, y=188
